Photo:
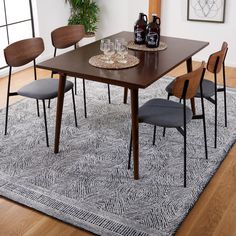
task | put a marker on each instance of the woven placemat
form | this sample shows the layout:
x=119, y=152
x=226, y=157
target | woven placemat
x=142, y=47
x=99, y=62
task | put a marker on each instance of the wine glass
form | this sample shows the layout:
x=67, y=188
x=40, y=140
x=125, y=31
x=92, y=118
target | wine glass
x=109, y=50
x=122, y=50
x=117, y=41
x=103, y=41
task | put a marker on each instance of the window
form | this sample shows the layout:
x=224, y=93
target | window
x=16, y=23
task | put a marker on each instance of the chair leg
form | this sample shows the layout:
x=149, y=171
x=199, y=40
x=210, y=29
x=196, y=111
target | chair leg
x=130, y=150
x=6, y=119
x=84, y=92
x=49, y=103
x=215, y=115
x=185, y=154
x=74, y=107
x=154, y=135
x=45, y=122
x=37, y=102
x=185, y=146
x=204, y=127
x=225, y=105
x=164, y=129
x=75, y=86
x=109, y=94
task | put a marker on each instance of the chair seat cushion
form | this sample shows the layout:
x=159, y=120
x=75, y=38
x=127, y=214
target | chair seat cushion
x=165, y=113
x=169, y=87
x=208, y=88
x=43, y=89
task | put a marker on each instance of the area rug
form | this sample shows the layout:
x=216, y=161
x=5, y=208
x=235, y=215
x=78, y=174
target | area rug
x=88, y=184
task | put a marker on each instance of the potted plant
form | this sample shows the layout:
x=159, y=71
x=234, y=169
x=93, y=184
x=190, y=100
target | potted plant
x=84, y=12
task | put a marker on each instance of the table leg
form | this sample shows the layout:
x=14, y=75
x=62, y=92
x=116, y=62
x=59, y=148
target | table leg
x=60, y=101
x=189, y=69
x=135, y=132
x=125, y=95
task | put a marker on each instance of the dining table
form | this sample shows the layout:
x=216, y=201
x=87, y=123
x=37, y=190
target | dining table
x=153, y=65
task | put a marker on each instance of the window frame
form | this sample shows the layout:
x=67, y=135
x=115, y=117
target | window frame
x=6, y=25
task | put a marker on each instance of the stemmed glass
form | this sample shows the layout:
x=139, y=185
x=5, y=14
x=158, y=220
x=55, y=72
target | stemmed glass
x=109, y=50
x=103, y=41
x=122, y=50
x=117, y=41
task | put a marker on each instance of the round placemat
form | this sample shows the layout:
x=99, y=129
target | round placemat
x=99, y=62
x=142, y=47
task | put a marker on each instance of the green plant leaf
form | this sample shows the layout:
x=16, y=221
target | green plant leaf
x=84, y=12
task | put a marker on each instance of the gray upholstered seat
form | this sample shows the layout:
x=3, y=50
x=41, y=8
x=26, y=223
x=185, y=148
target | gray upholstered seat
x=43, y=89
x=165, y=113
x=169, y=87
x=208, y=88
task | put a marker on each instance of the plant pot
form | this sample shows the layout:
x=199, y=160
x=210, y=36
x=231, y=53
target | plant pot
x=88, y=38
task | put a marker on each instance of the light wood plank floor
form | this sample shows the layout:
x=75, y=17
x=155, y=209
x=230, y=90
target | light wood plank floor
x=213, y=214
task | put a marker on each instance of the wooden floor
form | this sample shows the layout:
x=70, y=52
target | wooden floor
x=213, y=214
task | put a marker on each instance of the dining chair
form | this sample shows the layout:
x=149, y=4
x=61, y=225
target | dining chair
x=21, y=53
x=215, y=64
x=67, y=36
x=172, y=114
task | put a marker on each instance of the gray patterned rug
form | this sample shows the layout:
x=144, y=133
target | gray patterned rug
x=88, y=185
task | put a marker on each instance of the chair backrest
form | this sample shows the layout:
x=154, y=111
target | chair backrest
x=194, y=79
x=67, y=36
x=23, y=51
x=216, y=59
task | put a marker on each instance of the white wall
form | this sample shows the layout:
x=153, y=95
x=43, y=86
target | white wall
x=113, y=17
x=174, y=23
x=134, y=8
x=51, y=15
x=116, y=16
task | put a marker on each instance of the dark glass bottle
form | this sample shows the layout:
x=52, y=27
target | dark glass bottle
x=140, y=29
x=153, y=32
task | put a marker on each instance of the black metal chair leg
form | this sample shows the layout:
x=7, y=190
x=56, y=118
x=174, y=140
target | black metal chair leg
x=8, y=94
x=154, y=135
x=84, y=92
x=204, y=127
x=74, y=107
x=130, y=150
x=75, y=86
x=6, y=119
x=215, y=115
x=225, y=105
x=45, y=122
x=49, y=103
x=164, y=129
x=109, y=94
x=37, y=102
x=185, y=154
x=185, y=146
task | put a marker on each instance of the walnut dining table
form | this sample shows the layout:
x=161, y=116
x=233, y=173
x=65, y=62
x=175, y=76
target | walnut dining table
x=152, y=66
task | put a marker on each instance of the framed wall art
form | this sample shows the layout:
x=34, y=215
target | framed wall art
x=206, y=10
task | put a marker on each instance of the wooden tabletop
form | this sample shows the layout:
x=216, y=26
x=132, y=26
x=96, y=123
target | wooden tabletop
x=153, y=65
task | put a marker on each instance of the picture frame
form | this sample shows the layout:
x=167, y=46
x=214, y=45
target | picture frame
x=206, y=11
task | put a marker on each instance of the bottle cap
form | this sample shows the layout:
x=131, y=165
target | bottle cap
x=154, y=14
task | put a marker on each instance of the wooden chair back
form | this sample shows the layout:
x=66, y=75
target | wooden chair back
x=216, y=59
x=194, y=79
x=23, y=51
x=67, y=36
